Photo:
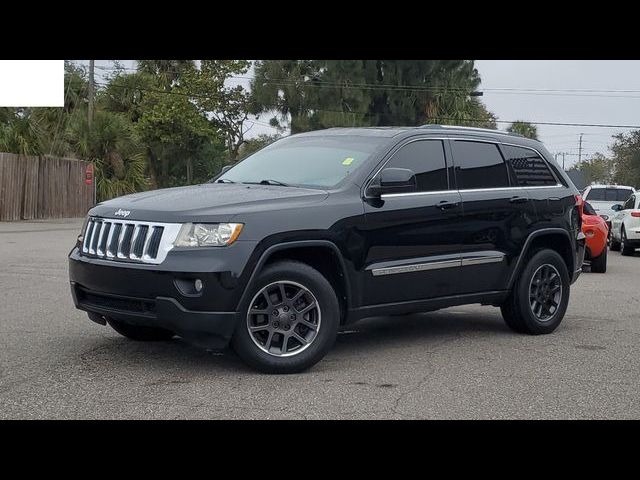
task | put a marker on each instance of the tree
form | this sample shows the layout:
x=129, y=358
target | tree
x=597, y=169
x=525, y=129
x=312, y=94
x=257, y=143
x=626, y=158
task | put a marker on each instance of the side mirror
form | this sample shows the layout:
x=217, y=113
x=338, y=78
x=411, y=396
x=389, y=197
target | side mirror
x=225, y=168
x=394, y=180
x=616, y=208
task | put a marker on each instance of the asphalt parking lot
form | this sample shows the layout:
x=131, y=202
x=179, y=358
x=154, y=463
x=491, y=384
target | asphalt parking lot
x=460, y=362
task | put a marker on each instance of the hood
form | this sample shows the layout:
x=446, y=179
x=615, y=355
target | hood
x=215, y=202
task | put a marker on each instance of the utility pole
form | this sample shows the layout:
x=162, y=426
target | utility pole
x=91, y=91
x=580, y=149
x=563, y=154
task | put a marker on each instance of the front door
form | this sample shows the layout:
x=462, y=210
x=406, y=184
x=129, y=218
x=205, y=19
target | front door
x=412, y=244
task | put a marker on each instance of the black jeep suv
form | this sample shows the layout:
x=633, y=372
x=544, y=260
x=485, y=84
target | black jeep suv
x=321, y=229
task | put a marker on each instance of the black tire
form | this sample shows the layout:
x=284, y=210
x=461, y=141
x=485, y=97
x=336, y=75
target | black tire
x=626, y=249
x=517, y=310
x=599, y=263
x=614, y=245
x=140, y=333
x=313, y=281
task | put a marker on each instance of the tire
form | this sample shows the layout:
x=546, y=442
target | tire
x=626, y=249
x=517, y=310
x=599, y=263
x=614, y=245
x=140, y=333
x=292, y=356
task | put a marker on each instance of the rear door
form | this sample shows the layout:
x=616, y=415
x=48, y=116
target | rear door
x=412, y=241
x=496, y=215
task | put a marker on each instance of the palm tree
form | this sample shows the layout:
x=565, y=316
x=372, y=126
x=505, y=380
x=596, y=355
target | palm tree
x=525, y=129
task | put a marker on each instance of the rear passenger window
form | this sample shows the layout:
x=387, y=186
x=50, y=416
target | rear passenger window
x=479, y=165
x=426, y=159
x=528, y=169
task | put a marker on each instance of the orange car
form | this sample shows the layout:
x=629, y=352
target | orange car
x=597, y=232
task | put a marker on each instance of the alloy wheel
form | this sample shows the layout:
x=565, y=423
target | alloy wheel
x=545, y=292
x=284, y=318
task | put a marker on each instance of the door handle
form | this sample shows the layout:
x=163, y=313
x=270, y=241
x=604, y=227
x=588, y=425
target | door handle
x=518, y=200
x=446, y=205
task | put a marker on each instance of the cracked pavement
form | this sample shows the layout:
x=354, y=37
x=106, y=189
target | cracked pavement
x=459, y=363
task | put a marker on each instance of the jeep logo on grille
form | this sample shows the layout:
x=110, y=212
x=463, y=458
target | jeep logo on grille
x=122, y=213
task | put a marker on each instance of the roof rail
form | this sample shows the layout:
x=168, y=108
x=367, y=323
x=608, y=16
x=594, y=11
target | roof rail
x=475, y=129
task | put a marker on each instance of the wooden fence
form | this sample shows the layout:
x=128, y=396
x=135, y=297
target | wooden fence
x=43, y=187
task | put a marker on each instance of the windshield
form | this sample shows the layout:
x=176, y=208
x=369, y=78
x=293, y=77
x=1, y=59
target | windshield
x=609, y=194
x=321, y=162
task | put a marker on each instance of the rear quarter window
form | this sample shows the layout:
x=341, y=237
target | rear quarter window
x=527, y=168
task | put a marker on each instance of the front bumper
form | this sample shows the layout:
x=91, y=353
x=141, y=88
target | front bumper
x=159, y=295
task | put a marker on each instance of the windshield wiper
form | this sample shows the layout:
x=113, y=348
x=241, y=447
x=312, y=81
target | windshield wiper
x=224, y=180
x=272, y=182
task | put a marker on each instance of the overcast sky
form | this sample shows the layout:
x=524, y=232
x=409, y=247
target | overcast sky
x=604, y=105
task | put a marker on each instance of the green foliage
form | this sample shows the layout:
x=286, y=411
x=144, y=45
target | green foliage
x=626, y=157
x=525, y=129
x=597, y=169
x=312, y=94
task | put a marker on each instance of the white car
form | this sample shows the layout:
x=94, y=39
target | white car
x=625, y=226
x=603, y=197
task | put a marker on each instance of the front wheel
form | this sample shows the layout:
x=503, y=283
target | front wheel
x=290, y=320
x=539, y=298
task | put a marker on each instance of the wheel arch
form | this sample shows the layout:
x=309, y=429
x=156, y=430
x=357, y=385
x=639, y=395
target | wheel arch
x=313, y=253
x=556, y=239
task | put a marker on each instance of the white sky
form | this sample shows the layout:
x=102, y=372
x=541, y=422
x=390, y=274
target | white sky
x=616, y=108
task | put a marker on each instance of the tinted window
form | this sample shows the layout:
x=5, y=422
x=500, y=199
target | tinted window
x=609, y=194
x=527, y=168
x=479, y=165
x=314, y=161
x=426, y=159
x=588, y=209
x=630, y=203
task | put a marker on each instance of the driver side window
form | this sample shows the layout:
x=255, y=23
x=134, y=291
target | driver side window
x=426, y=159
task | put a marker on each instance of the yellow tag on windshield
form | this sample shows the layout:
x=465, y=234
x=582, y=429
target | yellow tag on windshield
x=347, y=161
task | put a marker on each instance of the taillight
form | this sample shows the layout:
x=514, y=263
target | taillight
x=579, y=203
x=635, y=213
x=589, y=233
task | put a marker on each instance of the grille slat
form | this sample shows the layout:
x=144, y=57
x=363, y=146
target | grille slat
x=125, y=247
x=138, y=244
x=112, y=244
x=95, y=235
x=102, y=241
x=131, y=240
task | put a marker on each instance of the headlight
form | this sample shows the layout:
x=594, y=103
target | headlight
x=84, y=227
x=207, y=234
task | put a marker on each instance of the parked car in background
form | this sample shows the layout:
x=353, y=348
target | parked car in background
x=625, y=226
x=596, y=230
x=603, y=197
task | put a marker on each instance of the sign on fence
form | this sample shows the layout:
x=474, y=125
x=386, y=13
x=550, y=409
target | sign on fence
x=44, y=187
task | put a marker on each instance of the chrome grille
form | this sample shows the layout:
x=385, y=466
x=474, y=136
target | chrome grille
x=129, y=240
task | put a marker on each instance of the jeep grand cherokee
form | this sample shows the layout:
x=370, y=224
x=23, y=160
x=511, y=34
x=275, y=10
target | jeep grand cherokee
x=321, y=229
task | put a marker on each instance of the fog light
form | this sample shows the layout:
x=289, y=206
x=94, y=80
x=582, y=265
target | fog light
x=198, y=285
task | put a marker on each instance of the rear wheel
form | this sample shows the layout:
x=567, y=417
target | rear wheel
x=139, y=332
x=625, y=248
x=290, y=320
x=615, y=245
x=599, y=263
x=540, y=296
